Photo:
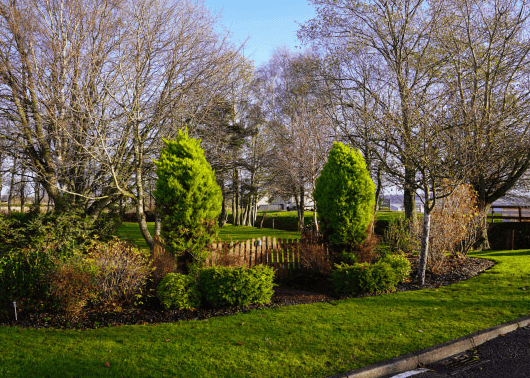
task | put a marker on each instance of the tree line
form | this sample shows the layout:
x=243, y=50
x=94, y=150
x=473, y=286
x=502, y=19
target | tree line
x=433, y=94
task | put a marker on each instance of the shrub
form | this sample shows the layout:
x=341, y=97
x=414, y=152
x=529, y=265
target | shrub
x=189, y=200
x=345, y=198
x=224, y=286
x=364, y=278
x=23, y=273
x=315, y=260
x=64, y=233
x=106, y=226
x=179, y=291
x=72, y=286
x=163, y=262
x=120, y=270
x=401, y=266
x=455, y=224
x=398, y=237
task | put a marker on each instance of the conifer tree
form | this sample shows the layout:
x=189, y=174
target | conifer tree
x=188, y=199
x=345, y=198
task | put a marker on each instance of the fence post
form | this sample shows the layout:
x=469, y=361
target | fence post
x=248, y=252
x=260, y=252
x=252, y=254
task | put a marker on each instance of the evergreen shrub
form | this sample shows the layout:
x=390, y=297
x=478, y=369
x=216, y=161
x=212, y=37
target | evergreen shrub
x=401, y=266
x=189, y=200
x=179, y=291
x=345, y=198
x=364, y=278
x=225, y=286
x=24, y=273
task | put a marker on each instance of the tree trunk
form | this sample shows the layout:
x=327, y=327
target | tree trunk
x=378, y=187
x=237, y=220
x=22, y=193
x=315, y=218
x=140, y=194
x=301, y=212
x=223, y=216
x=424, y=254
x=158, y=222
x=262, y=219
x=409, y=201
x=11, y=185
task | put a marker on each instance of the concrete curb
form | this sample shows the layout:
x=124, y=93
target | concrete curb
x=426, y=356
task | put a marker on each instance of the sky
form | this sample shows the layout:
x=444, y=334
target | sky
x=267, y=24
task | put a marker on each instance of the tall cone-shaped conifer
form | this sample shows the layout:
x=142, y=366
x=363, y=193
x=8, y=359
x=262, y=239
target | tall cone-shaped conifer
x=188, y=198
x=345, y=198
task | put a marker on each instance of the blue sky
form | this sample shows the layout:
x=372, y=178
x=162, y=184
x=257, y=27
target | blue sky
x=266, y=24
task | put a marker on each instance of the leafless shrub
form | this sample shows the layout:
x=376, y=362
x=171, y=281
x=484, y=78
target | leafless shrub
x=163, y=262
x=314, y=255
x=454, y=225
x=121, y=270
x=366, y=251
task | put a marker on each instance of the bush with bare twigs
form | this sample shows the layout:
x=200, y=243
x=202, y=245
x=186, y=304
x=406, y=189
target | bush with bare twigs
x=315, y=259
x=454, y=226
x=121, y=270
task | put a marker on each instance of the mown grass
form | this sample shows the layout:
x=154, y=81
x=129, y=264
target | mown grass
x=229, y=232
x=298, y=341
x=131, y=231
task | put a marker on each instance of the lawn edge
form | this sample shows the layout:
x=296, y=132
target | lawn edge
x=435, y=353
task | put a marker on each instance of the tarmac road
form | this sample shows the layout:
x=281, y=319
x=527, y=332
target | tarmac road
x=506, y=356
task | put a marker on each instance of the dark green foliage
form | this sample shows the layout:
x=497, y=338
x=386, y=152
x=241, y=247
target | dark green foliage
x=345, y=198
x=189, y=199
x=106, y=226
x=31, y=246
x=62, y=232
x=364, y=278
x=401, y=266
x=23, y=273
x=179, y=291
x=225, y=286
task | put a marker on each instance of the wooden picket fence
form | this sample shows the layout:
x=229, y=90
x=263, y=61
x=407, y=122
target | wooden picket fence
x=281, y=254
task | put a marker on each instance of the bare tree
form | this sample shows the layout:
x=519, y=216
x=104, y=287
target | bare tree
x=383, y=59
x=89, y=88
x=53, y=56
x=486, y=80
x=303, y=134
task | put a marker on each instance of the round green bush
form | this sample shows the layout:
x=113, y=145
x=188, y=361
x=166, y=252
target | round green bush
x=345, y=198
x=401, y=266
x=226, y=286
x=179, y=291
x=364, y=278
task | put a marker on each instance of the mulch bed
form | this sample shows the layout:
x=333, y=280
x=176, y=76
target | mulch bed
x=311, y=291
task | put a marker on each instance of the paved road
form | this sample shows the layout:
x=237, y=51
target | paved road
x=503, y=357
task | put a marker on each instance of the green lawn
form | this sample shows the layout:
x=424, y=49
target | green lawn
x=131, y=231
x=298, y=341
x=229, y=232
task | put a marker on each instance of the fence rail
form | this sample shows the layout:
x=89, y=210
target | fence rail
x=281, y=254
x=522, y=213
